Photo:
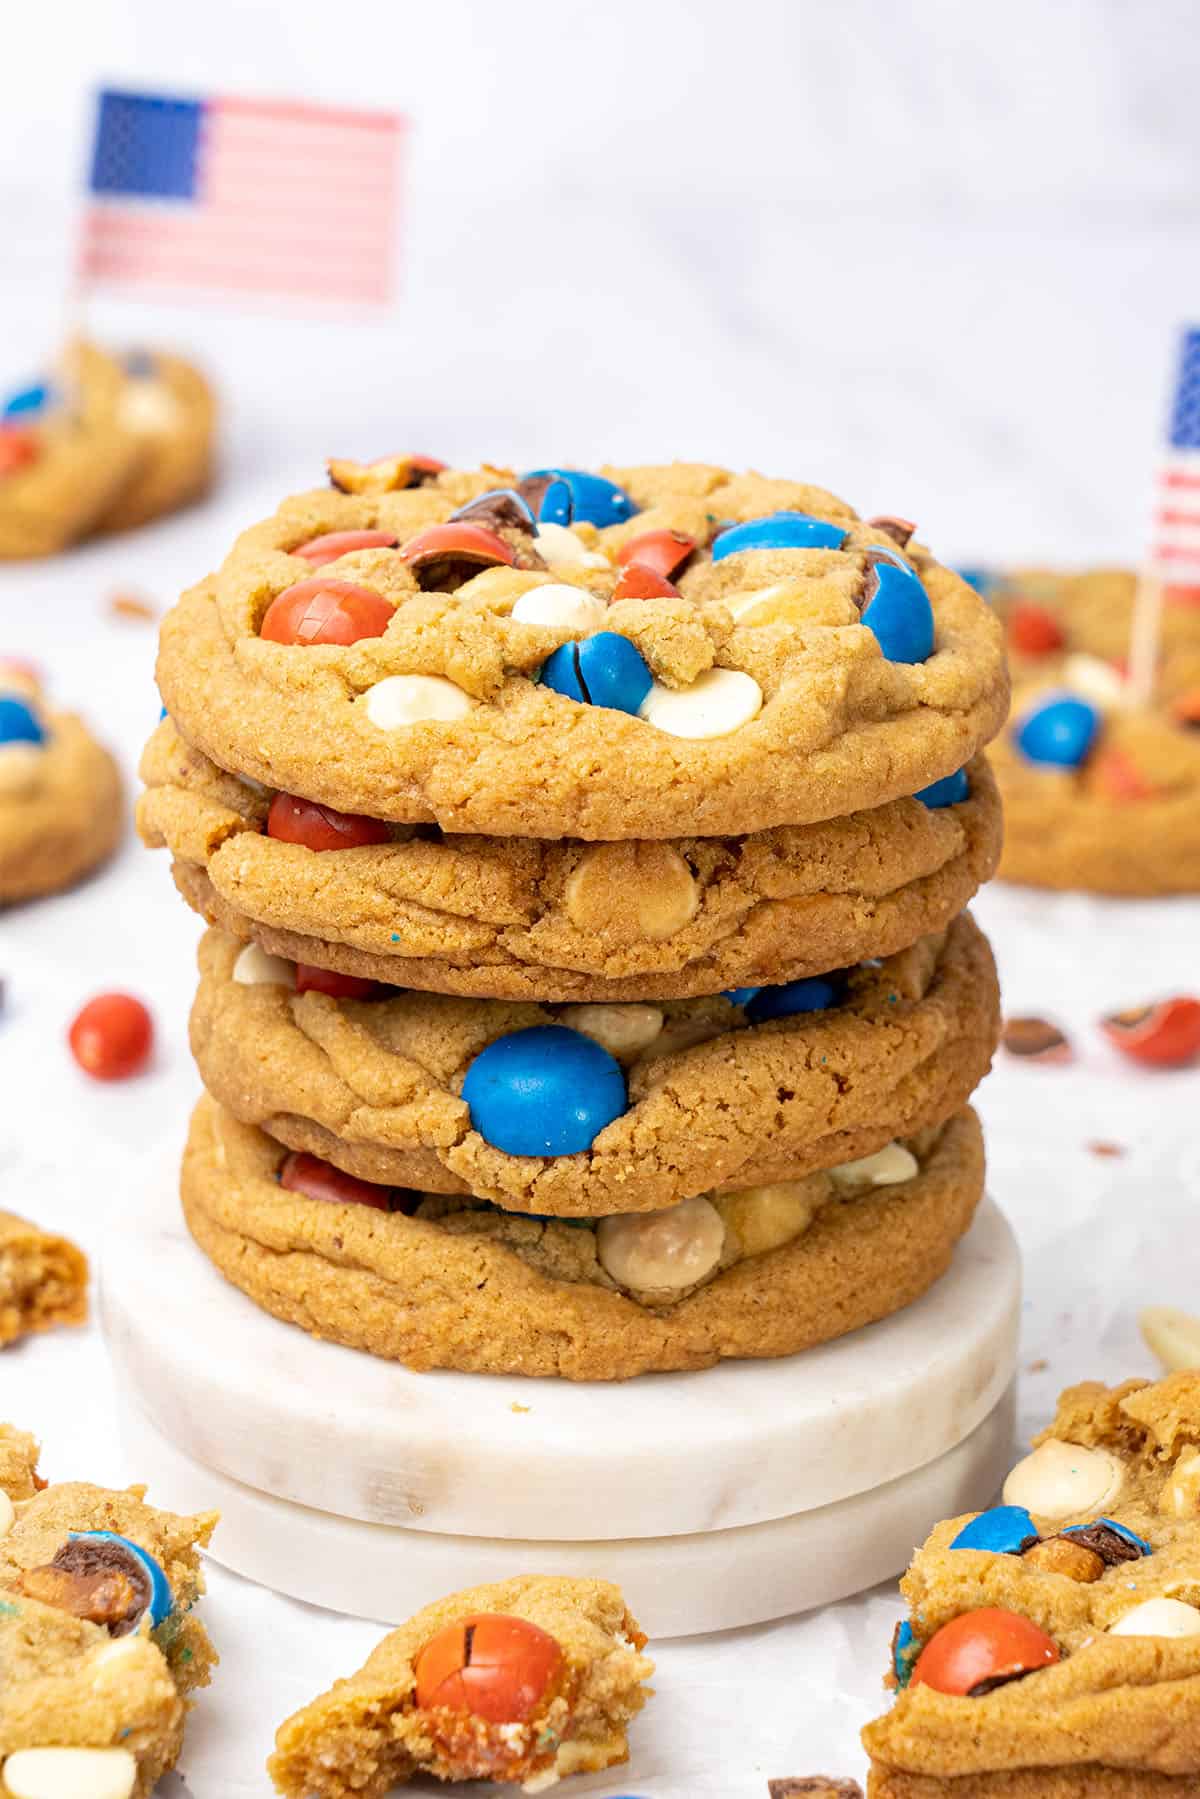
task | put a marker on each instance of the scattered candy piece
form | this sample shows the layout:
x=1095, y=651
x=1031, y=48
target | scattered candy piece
x=1166, y=1035
x=324, y=611
x=491, y=1666
x=1036, y=1040
x=1059, y=1555
x=1173, y=1336
x=18, y=722
x=501, y=508
x=402, y=700
x=316, y=1179
x=951, y=790
x=888, y=1167
x=718, y=702
x=1114, y=1543
x=779, y=531
x=1033, y=631
x=662, y=1251
x=293, y=820
x=981, y=1650
x=1059, y=732
x=664, y=552
x=386, y=475
x=332, y=544
x=546, y=1091
x=70, y=1774
x=106, y=1547
x=327, y=980
x=111, y=1038
x=565, y=496
x=1117, y=776
x=639, y=583
x=562, y=607
x=816, y=993
x=1004, y=1530
x=255, y=968
x=899, y=614
x=18, y=449
x=603, y=670
x=1063, y=1480
x=452, y=553
x=1158, y=1618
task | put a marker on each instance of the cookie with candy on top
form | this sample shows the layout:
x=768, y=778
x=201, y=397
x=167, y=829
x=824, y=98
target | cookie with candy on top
x=169, y=409
x=43, y=1280
x=61, y=811
x=521, y=1682
x=519, y=918
x=100, y=1645
x=641, y=653
x=1052, y=1644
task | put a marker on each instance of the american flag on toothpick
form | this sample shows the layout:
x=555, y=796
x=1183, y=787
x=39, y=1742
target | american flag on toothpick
x=282, y=200
x=1173, y=554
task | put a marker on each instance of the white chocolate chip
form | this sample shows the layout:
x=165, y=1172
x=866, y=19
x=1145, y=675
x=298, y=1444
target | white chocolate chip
x=1173, y=1336
x=402, y=700
x=719, y=701
x=631, y=892
x=1095, y=680
x=1158, y=1618
x=149, y=408
x=21, y=767
x=70, y=1774
x=562, y=607
x=8, y=1513
x=256, y=968
x=623, y=1030
x=1062, y=1480
x=790, y=603
x=662, y=1251
x=559, y=547
x=886, y=1168
x=1180, y=1498
x=763, y=1218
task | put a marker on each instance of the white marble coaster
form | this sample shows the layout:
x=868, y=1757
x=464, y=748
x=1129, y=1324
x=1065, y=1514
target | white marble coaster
x=551, y=1461
x=675, y=1586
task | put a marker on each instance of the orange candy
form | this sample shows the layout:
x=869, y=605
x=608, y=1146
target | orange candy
x=18, y=448
x=338, y=986
x=316, y=1179
x=662, y=551
x=111, y=1038
x=491, y=1666
x=1033, y=631
x=1119, y=778
x=1165, y=1035
x=321, y=611
x=638, y=582
x=982, y=1649
x=293, y=820
x=327, y=548
x=457, y=542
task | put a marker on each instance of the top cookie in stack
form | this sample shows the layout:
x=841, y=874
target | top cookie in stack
x=668, y=757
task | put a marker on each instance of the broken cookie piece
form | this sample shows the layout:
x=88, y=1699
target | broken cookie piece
x=43, y=1280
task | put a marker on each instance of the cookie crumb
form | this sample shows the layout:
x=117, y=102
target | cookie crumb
x=514, y=1407
x=1035, y=1040
x=1100, y=1148
x=123, y=604
x=1038, y=1367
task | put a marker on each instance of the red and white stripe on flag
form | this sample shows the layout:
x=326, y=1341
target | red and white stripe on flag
x=1175, y=532
x=290, y=201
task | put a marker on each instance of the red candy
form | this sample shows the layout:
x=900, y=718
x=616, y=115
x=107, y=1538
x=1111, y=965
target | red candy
x=457, y=542
x=321, y=611
x=637, y=582
x=1165, y=1035
x=293, y=820
x=491, y=1666
x=320, y=550
x=316, y=1179
x=1119, y=778
x=662, y=551
x=18, y=448
x=1185, y=709
x=111, y=1038
x=1184, y=595
x=1034, y=631
x=338, y=986
x=979, y=1650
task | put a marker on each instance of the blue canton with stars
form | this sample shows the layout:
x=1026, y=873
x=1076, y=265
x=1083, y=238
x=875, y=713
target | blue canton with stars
x=146, y=146
x=1185, y=410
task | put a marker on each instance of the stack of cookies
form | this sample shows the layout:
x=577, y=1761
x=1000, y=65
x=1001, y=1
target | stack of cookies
x=588, y=988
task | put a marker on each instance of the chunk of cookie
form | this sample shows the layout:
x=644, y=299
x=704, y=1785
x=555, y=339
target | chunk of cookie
x=43, y=1280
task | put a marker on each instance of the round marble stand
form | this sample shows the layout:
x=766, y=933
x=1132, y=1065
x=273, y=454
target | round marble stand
x=716, y=1499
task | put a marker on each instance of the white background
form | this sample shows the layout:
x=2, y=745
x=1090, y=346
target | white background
x=931, y=256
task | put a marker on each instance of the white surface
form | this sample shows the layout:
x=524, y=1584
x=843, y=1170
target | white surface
x=495, y=1456
x=675, y=1586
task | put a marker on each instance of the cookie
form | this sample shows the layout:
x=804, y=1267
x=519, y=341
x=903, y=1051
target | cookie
x=557, y=1676
x=1053, y=1643
x=796, y=667
x=61, y=804
x=423, y=1090
x=43, y=1280
x=522, y=919
x=1050, y=614
x=454, y=1285
x=169, y=409
x=65, y=454
x=100, y=1647
x=1114, y=809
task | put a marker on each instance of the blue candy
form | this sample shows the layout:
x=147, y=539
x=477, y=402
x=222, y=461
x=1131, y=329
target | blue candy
x=602, y=670
x=17, y=723
x=780, y=531
x=1118, y=1530
x=1005, y=1530
x=28, y=400
x=812, y=995
x=905, y=1651
x=546, y=1091
x=900, y=615
x=1059, y=732
x=160, y=1591
x=981, y=579
x=741, y=996
x=951, y=790
x=574, y=495
x=509, y=494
